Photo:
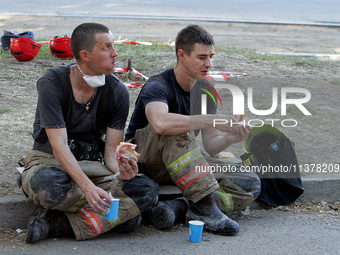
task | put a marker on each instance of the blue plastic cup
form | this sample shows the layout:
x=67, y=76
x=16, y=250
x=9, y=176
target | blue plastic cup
x=112, y=214
x=195, y=231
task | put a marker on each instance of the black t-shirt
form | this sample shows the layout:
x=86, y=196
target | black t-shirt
x=165, y=88
x=55, y=111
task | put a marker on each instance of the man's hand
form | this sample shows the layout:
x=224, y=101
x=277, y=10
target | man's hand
x=95, y=197
x=238, y=134
x=128, y=168
x=214, y=142
x=227, y=124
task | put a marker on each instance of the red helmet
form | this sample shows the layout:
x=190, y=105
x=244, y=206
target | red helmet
x=24, y=49
x=61, y=47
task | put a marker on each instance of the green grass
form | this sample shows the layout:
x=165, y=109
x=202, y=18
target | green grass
x=145, y=57
x=150, y=57
x=235, y=51
x=4, y=108
x=5, y=55
x=6, y=188
x=252, y=54
x=152, y=53
x=336, y=82
x=44, y=53
x=131, y=50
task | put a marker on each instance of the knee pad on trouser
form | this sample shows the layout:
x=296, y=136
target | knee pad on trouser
x=250, y=184
x=53, y=183
x=142, y=190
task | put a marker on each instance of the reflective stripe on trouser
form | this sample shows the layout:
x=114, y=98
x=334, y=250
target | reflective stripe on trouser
x=237, y=189
x=187, y=168
x=175, y=159
x=46, y=183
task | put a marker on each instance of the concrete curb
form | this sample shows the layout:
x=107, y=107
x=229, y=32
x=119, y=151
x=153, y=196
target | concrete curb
x=15, y=210
x=320, y=189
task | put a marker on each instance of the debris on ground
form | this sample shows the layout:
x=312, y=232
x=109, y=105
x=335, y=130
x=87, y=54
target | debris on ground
x=322, y=208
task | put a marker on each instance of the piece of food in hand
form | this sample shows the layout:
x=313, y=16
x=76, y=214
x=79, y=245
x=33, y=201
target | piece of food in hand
x=242, y=120
x=127, y=150
x=239, y=117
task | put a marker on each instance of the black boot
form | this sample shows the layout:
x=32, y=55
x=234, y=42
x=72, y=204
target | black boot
x=214, y=220
x=166, y=213
x=47, y=223
x=129, y=226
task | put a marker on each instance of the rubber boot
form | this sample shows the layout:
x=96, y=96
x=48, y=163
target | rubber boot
x=46, y=223
x=166, y=213
x=214, y=220
x=129, y=226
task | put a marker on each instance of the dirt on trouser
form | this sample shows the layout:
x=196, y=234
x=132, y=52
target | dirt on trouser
x=316, y=137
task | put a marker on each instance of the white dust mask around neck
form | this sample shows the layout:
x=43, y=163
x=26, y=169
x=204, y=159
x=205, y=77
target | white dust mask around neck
x=93, y=81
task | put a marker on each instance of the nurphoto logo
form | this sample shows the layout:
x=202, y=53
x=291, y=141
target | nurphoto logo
x=238, y=103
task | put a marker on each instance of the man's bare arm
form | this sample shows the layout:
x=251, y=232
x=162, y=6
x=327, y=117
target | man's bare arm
x=164, y=123
x=64, y=156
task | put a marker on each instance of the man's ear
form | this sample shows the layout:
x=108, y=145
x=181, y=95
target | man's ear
x=84, y=55
x=181, y=53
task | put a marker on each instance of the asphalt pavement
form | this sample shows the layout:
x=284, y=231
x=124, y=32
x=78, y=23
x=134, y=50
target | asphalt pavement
x=262, y=231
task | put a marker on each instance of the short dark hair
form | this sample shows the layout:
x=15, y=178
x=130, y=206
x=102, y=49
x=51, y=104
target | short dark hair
x=84, y=37
x=189, y=36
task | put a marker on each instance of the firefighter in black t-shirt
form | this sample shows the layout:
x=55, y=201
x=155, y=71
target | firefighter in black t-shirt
x=71, y=169
x=163, y=125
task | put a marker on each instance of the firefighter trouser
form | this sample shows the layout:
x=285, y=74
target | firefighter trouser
x=47, y=184
x=177, y=159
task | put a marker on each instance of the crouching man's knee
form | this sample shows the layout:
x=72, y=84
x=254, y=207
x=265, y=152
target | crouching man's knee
x=142, y=190
x=250, y=184
x=256, y=187
x=50, y=185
